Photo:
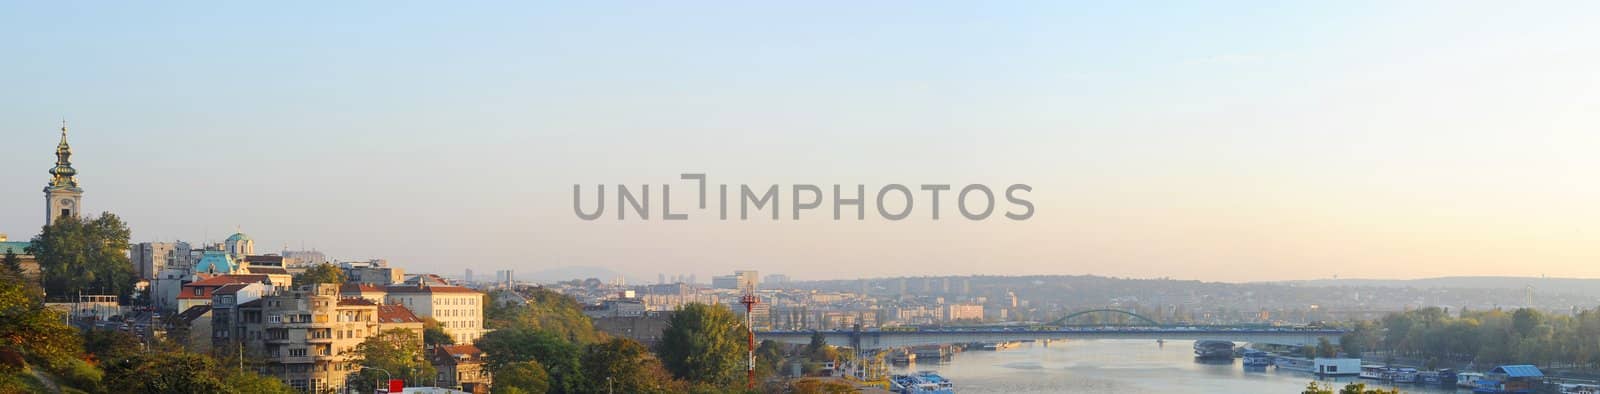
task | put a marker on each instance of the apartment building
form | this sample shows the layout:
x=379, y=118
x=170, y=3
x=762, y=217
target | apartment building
x=306, y=336
x=458, y=310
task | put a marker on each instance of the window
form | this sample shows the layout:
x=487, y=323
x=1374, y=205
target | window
x=274, y=319
x=198, y=291
x=300, y=352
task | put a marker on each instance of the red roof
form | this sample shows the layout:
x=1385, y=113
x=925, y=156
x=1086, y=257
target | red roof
x=396, y=314
x=219, y=280
x=355, y=301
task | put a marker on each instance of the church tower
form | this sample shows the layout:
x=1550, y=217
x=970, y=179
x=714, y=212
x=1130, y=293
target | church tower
x=62, y=197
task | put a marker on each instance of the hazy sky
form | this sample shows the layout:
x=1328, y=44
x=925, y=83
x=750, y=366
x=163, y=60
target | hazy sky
x=1206, y=140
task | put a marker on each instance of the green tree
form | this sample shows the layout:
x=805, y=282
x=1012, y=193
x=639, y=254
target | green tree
x=165, y=372
x=624, y=366
x=1326, y=349
x=396, y=350
x=32, y=332
x=769, y=358
x=559, y=356
x=704, y=344
x=433, y=333
x=84, y=256
x=321, y=273
x=111, y=345
x=252, y=383
x=11, y=263
x=546, y=310
x=521, y=377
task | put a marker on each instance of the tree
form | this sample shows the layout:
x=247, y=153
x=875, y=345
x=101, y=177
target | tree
x=165, y=372
x=433, y=333
x=396, y=350
x=321, y=273
x=559, y=357
x=111, y=345
x=246, y=382
x=11, y=263
x=624, y=366
x=769, y=358
x=704, y=344
x=88, y=257
x=522, y=377
x=546, y=310
x=1326, y=349
x=32, y=332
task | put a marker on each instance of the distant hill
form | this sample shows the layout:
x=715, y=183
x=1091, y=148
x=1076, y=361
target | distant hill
x=1587, y=287
x=557, y=274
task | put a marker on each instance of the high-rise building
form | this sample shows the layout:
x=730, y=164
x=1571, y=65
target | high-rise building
x=62, y=196
x=149, y=258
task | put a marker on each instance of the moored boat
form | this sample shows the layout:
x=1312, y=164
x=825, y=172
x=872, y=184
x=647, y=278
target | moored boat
x=1370, y=371
x=1256, y=359
x=1213, y=349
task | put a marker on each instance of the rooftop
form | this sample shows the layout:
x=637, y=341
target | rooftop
x=396, y=314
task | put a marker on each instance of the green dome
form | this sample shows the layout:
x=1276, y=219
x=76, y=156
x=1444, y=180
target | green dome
x=238, y=237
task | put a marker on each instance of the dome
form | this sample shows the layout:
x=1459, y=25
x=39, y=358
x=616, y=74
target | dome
x=238, y=237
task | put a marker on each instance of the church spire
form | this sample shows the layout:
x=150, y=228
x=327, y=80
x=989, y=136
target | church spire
x=63, y=175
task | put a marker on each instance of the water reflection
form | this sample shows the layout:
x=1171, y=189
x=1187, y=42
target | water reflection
x=1106, y=366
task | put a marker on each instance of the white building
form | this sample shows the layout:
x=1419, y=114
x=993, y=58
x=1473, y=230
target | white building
x=458, y=309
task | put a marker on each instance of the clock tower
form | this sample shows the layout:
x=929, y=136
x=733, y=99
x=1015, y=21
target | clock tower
x=62, y=197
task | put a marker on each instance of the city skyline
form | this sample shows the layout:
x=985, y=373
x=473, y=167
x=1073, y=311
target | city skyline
x=1293, y=142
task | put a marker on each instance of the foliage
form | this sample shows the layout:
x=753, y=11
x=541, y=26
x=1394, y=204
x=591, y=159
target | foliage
x=321, y=273
x=11, y=263
x=31, y=331
x=521, y=377
x=769, y=358
x=559, y=357
x=84, y=256
x=1326, y=349
x=1487, y=337
x=111, y=345
x=704, y=344
x=433, y=333
x=246, y=382
x=165, y=372
x=819, y=386
x=398, y=351
x=622, y=365
x=545, y=310
x=1351, y=388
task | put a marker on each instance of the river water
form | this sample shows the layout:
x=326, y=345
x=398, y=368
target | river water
x=1116, y=366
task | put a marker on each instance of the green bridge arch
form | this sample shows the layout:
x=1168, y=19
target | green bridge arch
x=1147, y=321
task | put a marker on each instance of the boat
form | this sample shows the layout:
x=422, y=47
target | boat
x=1443, y=377
x=998, y=345
x=1468, y=380
x=1213, y=349
x=1370, y=371
x=1580, y=388
x=1256, y=359
x=1509, y=379
x=1403, y=375
x=925, y=382
x=1294, y=364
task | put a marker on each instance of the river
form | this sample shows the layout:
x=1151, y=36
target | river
x=1116, y=366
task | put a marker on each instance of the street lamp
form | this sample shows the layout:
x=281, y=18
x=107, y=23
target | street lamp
x=385, y=374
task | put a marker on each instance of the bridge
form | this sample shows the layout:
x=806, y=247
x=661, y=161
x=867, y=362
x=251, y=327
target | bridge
x=1141, y=327
x=880, y=339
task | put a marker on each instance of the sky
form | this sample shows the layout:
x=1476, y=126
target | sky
x=1224, y=141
